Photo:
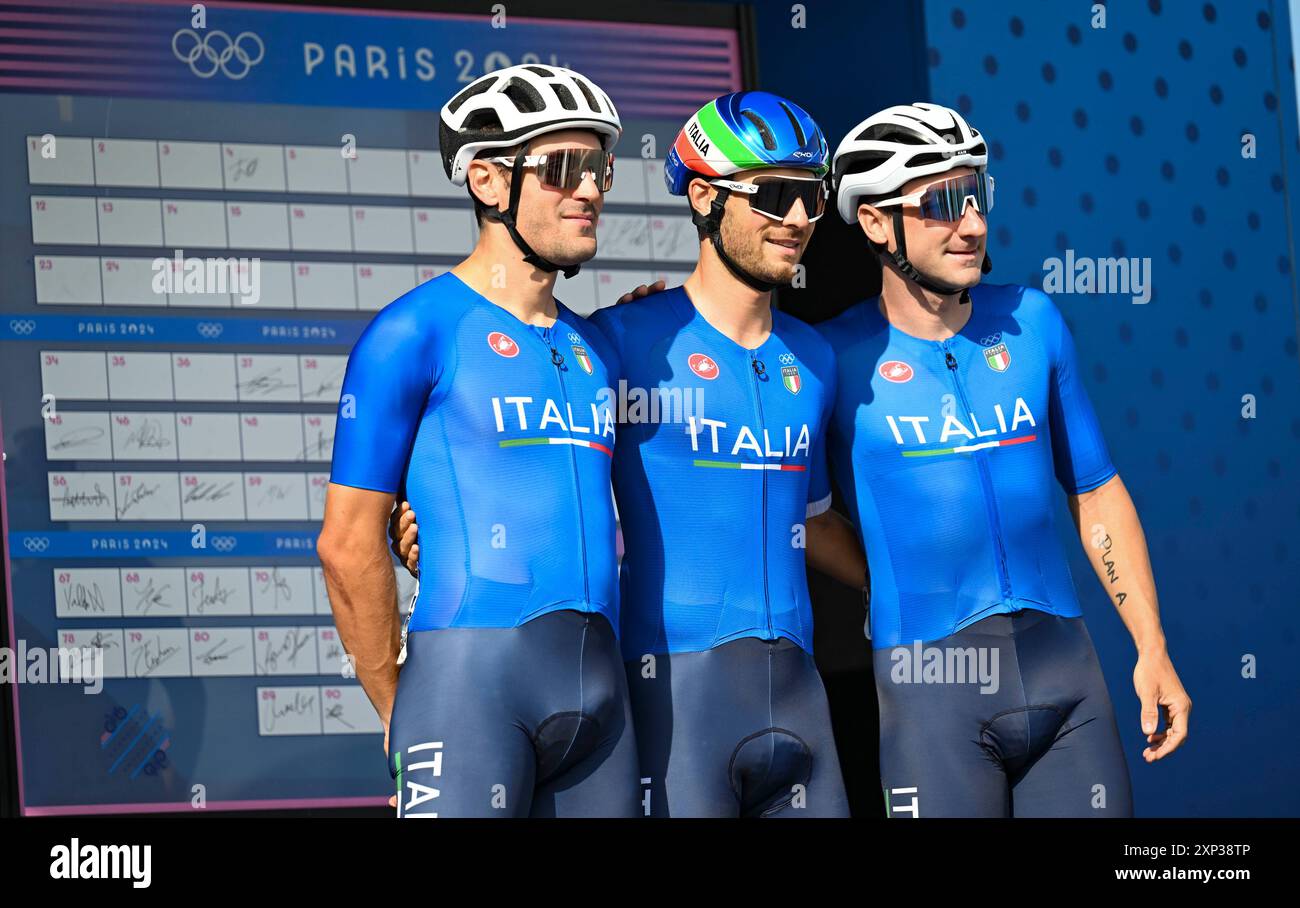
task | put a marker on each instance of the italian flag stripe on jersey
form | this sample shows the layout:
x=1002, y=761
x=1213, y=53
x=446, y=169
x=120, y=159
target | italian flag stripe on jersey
x=579, y=442
x=736, y=465
x=966, y=449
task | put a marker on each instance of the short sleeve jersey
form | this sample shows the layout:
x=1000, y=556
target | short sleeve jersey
x=946, y=453
x=720, y=461
x=502, y=435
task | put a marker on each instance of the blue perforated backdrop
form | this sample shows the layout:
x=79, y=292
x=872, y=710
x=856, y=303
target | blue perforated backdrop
x=1127, y=141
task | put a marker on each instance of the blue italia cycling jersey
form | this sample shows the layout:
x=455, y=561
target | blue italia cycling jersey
x=720, y=453
x=945, y=452
x=502, y=435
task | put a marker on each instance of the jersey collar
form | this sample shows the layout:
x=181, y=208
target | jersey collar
x=970, y=332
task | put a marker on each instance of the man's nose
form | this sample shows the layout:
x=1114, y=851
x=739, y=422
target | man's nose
x=797, y=217
x=972, y=221
x=587, y=190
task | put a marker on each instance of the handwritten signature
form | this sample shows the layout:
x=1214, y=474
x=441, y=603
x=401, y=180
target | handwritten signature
x=86, y=435
x=99, y=641
x=281, y=586
x=217, y=652
x=291, y=645
x=209, y=491
x=265, y=383
x=149, y=435
x=151, y=655
x=137, y=494
x=335, y=714
x=77, y=596
x=217, y=595
x=326, y=388
x=149, y=597
x=318, y=448
x=298, y=706
x=76, y=499
x=274, y=493
x=242, y=167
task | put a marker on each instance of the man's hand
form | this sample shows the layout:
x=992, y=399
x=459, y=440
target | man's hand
x=1158, y=687
x=404, y=534
x=641, y=291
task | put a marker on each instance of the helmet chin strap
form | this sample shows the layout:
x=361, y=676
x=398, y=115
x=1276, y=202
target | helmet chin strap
x=507, y=218
x=711, y=224
x=900, y=260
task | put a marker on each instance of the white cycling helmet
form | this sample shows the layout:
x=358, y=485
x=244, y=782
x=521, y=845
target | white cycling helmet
x=515, y=104
x=898, y=144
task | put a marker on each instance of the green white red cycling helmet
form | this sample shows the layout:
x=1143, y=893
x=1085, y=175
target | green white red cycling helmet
x=737, y=132
x=893, y=147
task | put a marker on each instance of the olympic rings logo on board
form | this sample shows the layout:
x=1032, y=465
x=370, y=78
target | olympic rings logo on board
x=214, y=51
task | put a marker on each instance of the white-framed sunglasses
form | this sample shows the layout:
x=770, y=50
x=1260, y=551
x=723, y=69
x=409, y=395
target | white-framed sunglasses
x=565, y=167
x=946, y=200
x=774, y=196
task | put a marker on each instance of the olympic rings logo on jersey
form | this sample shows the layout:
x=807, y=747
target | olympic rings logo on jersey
x=218, y=59
x=786, y=359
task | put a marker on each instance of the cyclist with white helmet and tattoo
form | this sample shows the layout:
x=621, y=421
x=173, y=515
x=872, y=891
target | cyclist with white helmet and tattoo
x=958, y=404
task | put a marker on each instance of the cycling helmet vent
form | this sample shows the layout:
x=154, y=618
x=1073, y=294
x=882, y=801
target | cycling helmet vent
x=477, y=88
x=764, y=131
x=794, y=124
x=525, y=98
x=566, y=98
x=592, y=103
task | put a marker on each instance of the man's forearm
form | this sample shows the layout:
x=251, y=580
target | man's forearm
x=833, y=549
x=363, y=596
x=1112, y=537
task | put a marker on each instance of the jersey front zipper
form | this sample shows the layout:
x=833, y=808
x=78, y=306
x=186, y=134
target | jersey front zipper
x=756, y=365
x=986, y=480
x=557, y=359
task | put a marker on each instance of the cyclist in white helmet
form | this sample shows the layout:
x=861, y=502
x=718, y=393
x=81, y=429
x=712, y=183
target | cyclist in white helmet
x=478, y=398
x=957, y=406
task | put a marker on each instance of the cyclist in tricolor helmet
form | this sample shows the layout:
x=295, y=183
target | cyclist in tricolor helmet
x=726, y=140
x=505, y=111
x=716, y=621
x=901, y=144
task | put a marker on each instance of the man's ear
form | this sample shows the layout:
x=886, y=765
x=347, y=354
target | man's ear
x=486, y=183
x=874, y=223
x=700, y=195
